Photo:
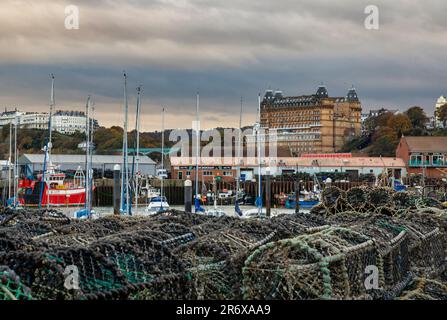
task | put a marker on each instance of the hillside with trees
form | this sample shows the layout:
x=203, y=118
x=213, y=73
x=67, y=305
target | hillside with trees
x=381, y=136
x=383, y=132
x=107, y=141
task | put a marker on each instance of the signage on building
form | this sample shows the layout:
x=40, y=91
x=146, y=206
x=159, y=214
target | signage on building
x=205, y=168
x=328, y=155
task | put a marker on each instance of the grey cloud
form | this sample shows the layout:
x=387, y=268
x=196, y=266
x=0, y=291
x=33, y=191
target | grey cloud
x=224, y=48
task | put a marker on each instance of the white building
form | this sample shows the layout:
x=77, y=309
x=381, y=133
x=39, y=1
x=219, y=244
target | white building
x=8, y=117
x=66, y=122
x=441, y=101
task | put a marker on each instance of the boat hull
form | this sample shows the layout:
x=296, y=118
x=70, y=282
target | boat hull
x=291, y=204
x=53, y=197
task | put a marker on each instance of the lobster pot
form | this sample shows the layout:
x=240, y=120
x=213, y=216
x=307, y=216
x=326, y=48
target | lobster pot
x=329, y=264
x=396, y=265
x=120, y=267
x=148, y=266
x=392, y=242
x=45, y=273
x=432, y=253
x=293, y=225
x=427, y=242
x=214, y=262
x=205, y=262
x=425, y=289
x=11, y=287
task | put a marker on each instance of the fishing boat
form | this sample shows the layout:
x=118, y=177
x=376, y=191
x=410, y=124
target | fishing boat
x=305, y=202
x=51, y=189
x=151, y=192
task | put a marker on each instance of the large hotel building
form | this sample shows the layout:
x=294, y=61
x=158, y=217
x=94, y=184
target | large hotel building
x=312, y=123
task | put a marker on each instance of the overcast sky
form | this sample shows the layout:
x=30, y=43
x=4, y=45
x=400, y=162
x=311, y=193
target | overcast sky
x=223, y=48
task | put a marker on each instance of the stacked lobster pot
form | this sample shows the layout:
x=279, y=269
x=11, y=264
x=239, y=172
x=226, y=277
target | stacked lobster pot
x=215, y=260
x=427, y=242
x=392, y=242
x=329, y=264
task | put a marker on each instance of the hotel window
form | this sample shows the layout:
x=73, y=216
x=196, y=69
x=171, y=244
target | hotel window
x=228, y=173
x=207, y=173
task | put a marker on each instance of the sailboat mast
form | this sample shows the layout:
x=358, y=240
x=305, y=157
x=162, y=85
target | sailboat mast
x=125, y=174
x=92, y=128
x=50, y=121
x=239, y=145
x=87, y=156
x=162, y=155
x=136, y=158
x=197, y=144
x=16, y=174
x=10, y=160
x=47, y=148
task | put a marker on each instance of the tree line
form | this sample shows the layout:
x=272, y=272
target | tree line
x=381, y=133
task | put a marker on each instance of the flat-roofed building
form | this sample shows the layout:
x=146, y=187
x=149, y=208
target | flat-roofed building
x=32, y=163
x=310, y=163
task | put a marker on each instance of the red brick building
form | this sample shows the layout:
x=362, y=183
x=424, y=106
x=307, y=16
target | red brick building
x=424, y=153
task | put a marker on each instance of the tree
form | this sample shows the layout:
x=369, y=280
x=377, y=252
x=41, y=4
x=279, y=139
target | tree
x=400, y=124
x=442, y=115
x=373, y=123
x=384, y=146
x=417, y=117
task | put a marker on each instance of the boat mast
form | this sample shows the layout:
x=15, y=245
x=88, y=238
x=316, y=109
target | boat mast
x=239, y=141
x=125, y=173
x=50, y=129
x=197, y=145
x=47, y=148
x=87, y=158
x=10, y=160
x=258, y=134
x=50, y=123
x=92, y=131
x=16, y=175
x=162, y=156
x=136, y=158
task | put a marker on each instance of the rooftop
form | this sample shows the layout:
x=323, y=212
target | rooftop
x=308, y=161
x=80, y=158
x=279, y=100
x=426, y=144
